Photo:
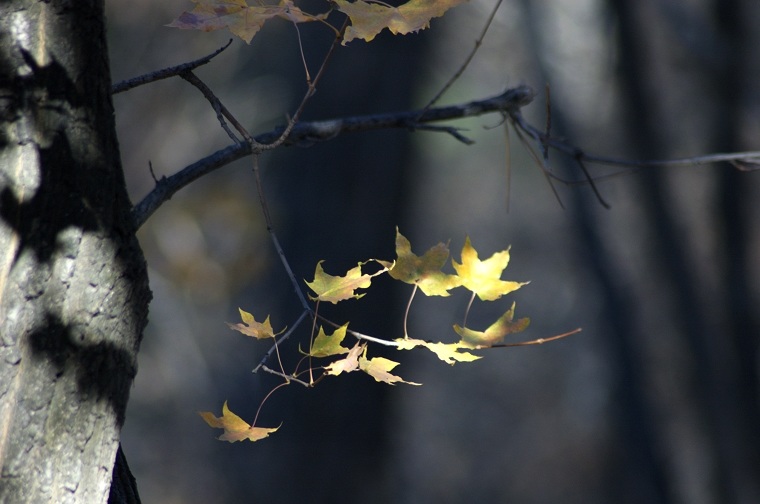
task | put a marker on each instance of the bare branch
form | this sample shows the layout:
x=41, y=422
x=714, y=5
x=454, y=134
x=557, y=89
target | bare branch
x=216, y=104
x=308, y=133
x=165, y=73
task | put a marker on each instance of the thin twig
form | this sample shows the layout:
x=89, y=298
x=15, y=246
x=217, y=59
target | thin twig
x=288, y=378
x=312, y=87
x=539, y=341
x=540, y=163
x=165, y=73
x=281, y=340
x=463, y=67
x=216, y=104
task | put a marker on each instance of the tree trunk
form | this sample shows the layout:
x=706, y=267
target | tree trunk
x=73, y=283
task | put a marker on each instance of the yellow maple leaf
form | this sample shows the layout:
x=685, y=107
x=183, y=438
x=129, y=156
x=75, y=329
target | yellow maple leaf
x=235, y=428
x=249, y=327
x=484, y=277
x=370, y=18
x=495, y=332
x=348, y=364
x=450, y=353
x=380, y=369
x=339, y=288
x=241, y=19
x=326, y=345
x=423, y=271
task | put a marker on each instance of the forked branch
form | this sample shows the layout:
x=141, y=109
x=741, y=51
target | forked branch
x=308, y=133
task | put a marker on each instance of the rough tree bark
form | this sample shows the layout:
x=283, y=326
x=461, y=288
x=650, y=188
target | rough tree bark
x=73, y=283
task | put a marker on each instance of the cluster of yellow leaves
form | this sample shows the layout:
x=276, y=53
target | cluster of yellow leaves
x=328, y=345
x=481, y=277
x=368, y=18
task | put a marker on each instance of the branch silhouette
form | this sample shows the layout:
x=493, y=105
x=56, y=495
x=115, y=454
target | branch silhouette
x=304, y=134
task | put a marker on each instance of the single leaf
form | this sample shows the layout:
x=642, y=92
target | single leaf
x=334, y=289
x=423, y=271
x=235, y=428
x=484, y=277
x=249, y=327
x=326, y=345
x=241, y=19
x=369, y=18
x=450, y=353
x=350, y=363
x=379, y=368
x=495, y=333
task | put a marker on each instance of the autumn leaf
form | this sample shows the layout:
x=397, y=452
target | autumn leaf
x=235, y=428
x=350, y=363
x=495, y=332
x=450, y=353
x=249, y=327
x=424, y=271
x=484, y=277
x=326, y=345
x=339, y=288
x=241, y=19
x=370, y=18
x=379, y=368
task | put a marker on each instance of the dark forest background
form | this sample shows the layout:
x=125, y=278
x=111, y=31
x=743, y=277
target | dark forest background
x=655, y=401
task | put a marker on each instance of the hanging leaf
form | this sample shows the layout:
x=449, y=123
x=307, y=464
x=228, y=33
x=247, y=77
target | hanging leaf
x=495, y=333
x=326, y=345
x=424, y=271
x=235, y=428
x=334, y=289
x=370, y=18
x=484, y=277
x=450, y=353
x=379, y=368
x=249, y=327
x=347, y=365
x=241, y=19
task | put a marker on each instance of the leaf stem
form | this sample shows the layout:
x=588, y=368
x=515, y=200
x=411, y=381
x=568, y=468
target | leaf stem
x=408, y=307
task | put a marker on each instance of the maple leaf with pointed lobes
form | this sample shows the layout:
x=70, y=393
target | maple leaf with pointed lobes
x=235, y=428
x=370, y=18
x=380, y=369
x=242, y=20
x=249, y=327
x=326, y=345
x=495, y=333
x=348, y=364
x=450, y=353
x=424, y=271
x=484, y=277
x=339, y=288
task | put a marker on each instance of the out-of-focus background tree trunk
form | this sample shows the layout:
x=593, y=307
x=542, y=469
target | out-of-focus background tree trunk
x=655, y=401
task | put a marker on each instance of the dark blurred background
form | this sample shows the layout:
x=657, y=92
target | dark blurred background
x=655, y=401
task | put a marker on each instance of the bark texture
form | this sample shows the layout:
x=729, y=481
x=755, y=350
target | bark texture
x=73, y=282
